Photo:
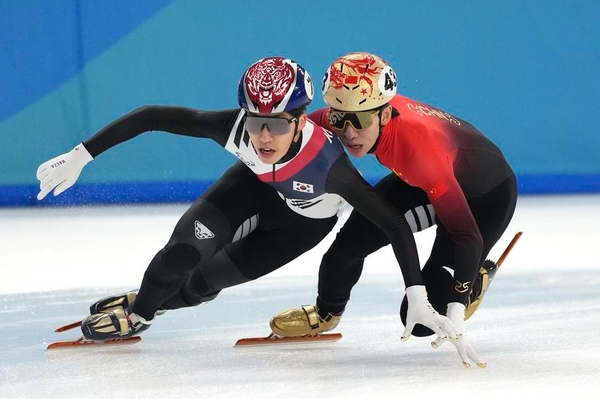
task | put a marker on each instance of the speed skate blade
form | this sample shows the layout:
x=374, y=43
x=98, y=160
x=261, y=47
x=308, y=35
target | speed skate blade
x=273, y=339
x=67, y=327
x=86, y=342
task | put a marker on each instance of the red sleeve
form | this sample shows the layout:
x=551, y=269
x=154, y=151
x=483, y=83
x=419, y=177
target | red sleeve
x=455, y=214
x=434, y=173
x=319, y=117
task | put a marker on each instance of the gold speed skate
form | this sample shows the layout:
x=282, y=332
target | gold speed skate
x=484, y=278
x=302, y=321
x=482, y=283
x=111, y=303
x=118, y=302
x=117, y=324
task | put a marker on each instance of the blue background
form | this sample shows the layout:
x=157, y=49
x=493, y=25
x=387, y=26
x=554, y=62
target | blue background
x=523, y=72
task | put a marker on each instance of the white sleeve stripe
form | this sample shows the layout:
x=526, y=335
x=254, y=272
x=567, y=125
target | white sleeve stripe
x=420, y=218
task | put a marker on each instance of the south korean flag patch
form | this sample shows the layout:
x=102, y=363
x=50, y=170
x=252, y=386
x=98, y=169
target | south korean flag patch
x=303, y=187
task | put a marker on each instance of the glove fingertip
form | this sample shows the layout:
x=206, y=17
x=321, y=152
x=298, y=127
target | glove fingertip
x=61, y=187
x=437, y=342
x=43, y=192
x=407, y=331
x=405, y=335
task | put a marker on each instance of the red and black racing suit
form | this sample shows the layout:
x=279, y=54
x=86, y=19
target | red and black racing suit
x=437, y=159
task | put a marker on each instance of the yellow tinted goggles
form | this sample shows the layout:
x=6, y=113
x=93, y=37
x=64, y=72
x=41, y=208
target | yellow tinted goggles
x=358, y=120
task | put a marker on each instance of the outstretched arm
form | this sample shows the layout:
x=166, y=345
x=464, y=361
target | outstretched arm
x=60, y=173
x=215, y=125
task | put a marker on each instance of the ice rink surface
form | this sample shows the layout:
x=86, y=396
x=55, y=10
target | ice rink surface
x=538, y=328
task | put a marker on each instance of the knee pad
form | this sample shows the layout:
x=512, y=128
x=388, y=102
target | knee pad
x=439, y=285
x=175, y=260
x=205, y=282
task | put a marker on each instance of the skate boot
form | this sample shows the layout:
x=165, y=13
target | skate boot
x=111, y=303
x=118, y=302
x=116, y=324
x=302, y=321
x=480, y=286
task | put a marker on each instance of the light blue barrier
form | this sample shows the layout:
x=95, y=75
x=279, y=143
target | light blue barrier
x=525, y=74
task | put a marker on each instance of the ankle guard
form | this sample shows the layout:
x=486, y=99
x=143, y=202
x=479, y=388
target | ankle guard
x=302, y=321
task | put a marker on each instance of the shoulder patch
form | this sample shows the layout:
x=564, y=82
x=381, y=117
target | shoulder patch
x=437, y=191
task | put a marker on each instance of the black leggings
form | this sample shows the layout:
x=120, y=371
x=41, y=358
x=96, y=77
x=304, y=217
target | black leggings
x=342, y=264
x=238, y=230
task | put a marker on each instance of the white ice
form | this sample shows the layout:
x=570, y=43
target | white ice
x=538, y=327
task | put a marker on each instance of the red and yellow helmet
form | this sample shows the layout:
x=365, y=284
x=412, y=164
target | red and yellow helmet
x=359, y=82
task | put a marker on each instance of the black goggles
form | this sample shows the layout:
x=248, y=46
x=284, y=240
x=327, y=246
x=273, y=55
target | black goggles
x=358, y=120
x=275, y=125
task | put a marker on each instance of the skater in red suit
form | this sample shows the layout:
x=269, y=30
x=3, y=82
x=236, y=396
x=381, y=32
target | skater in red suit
x=443, y=170
x=280, y=199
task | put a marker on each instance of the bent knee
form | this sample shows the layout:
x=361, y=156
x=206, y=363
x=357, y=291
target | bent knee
x=180, y=258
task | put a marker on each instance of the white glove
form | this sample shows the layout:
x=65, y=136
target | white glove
x=466, y=351
x=421, y=312
x=60, y=173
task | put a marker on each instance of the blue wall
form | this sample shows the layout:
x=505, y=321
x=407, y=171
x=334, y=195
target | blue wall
x=524, y=72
